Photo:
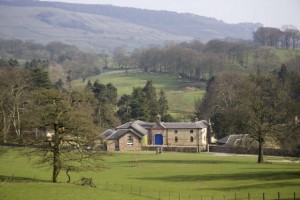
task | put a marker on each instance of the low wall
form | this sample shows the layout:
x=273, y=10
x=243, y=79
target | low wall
x=187, y=149
x=245, y=150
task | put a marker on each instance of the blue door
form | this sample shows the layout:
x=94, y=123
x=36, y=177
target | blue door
x=158, y=139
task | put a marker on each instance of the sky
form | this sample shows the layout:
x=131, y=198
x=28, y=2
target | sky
x=271, y=13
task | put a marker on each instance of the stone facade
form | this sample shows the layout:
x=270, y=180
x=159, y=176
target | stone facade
x=179, y=136
x=133, y=135
x=130, y=142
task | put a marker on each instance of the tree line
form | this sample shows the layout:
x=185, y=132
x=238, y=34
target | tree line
x=268, y=36
x=193, y=60
x=264, y=105
x=80, y=63
x=198, y=61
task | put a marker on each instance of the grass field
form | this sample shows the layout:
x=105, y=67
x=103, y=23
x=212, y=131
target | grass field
x=149, y=176
x=181, y=100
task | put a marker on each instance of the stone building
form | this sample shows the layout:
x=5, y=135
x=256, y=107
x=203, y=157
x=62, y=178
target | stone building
x=132, y=136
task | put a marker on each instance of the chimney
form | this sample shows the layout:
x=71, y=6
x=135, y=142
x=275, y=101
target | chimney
x=158, y=119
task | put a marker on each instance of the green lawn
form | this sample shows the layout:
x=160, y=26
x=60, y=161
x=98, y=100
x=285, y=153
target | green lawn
x=149, y=176
x=181, y=100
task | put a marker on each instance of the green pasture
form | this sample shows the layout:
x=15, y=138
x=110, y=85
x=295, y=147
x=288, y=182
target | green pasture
x=165, y=176
x=179, y=92
x=286, y=54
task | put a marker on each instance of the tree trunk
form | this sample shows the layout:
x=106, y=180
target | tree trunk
x=6, y=127
x=260, y=151
x=56, y=165
x=56, y=154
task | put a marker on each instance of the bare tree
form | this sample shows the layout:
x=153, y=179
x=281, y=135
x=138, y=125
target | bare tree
x=14, y=83
x=71, y=122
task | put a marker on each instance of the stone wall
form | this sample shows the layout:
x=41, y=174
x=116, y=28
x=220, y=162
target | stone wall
x=187, y=149
x=244, y=150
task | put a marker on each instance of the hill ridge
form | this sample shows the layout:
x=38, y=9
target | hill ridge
x=166, y=25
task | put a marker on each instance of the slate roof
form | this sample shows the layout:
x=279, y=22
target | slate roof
x=133, y=127
x=140, y=123
x=139, y=128
x=230, y=140
x=107, y=133
x=185, y=125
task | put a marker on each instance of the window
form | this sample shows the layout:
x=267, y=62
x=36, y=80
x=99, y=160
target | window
x=191, y=131
x=175, y=131
x=129, y=140
x=176, y=139
x=192, y=139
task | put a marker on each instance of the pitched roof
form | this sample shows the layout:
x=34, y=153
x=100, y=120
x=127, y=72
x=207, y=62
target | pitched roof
x=139, y=128
x=185, y=125
x=121, y=132
x=107, y=133
x=231, y=140
x=133, y=127
x=139, y=122
x=117, y=134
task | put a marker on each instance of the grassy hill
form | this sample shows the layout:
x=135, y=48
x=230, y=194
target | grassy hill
x=103, y=27
x=149, y=176
x=85, y=30
x=181, y=94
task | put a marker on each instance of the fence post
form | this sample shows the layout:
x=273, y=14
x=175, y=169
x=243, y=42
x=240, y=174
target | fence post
x=278, y=196
x=235, y=196
x=263, y=196
x=248, y=196
x=294, y=195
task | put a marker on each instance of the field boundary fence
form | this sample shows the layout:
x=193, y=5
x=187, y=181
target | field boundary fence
x=167, y=195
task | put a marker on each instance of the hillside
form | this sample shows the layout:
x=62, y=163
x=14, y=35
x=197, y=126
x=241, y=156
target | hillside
x=103, y=27
x=181, y=94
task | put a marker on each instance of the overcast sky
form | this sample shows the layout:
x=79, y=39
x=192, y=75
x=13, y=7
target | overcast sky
x=273, y=13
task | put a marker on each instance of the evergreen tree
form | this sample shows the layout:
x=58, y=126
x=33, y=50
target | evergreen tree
x=105, y=105
x=151, y=100
x=100, y=92
x=59, y=85
x=40, y=79
x=124, y=108
x=139, y=109
x=111, y=92
x=163, y=105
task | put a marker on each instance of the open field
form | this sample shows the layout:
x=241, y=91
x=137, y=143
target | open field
x=149, y=176
x=181, y=94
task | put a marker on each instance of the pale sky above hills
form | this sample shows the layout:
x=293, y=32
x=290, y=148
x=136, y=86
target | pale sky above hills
x=273, y=13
